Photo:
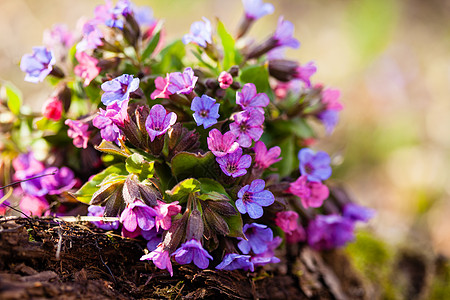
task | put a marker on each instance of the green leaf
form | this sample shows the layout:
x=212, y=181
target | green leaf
x=110, y=148
x=182, y=190
x=151, y=46
x=296, y=126
x=288, y=163
x=137, y=164
x=84, y=194
x=259, y=76
x=171, y=58
x=186, y=164
x=14, y=96
x=228, y=44
x=209, y=185
x=45, y=124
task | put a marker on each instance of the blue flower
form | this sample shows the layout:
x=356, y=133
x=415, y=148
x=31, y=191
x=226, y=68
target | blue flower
x=234, y=261
x=316, y=166
x=206, y=111
x=328, y=232
x=119, y=89
x=192, y=251
x=252, y=197
x=200, y=33
x=255, y=9
x=258, y=237
x=38, y=64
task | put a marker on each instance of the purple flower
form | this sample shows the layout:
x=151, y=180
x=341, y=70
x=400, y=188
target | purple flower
x=200, y=33
x=265, y=158
x=283, y=34
x=253, y=197
x=63, y=180
x=38, y=64
x=160, y=258
x=97, y=211
x=316, y=166
x=311, y=193
x=34, y=186
x=25, y=166
x=305, y=72
x=138, y=214
x=328, y=232
x=164, y=213
x=181, y=83
x=268, y=256
x=255, y=9
x=144, y=16
x=153, y=237
x=258, y=237
x=206, y=111
x=58, y=36
x=92, y=36
x=248, y=98
x=357, y=212
x=330, y=98
x=122, y=8
x=192, y=251
x=329, y=118
x=78, y=131
x=119, y=89
x=221, y=145
x=234, y=164
x=108, y=120
x=247, y=126
x=234, y=261
x=159, y=121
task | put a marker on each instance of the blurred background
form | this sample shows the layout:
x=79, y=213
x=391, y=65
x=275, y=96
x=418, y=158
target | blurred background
x=391, y=61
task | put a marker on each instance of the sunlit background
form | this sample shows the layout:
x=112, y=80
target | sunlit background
x=390, y=59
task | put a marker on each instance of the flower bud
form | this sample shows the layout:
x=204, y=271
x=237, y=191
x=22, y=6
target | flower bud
x=282, y=69
x=194, y=228
x=234, y=71
x=52, y=109
x=225, y=80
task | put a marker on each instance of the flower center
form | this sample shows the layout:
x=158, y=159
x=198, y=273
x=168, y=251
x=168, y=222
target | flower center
x=124, y=88
x=308, y=168
x=231, y=168
x=243, y=127
x=204, y=113
x=246, y=197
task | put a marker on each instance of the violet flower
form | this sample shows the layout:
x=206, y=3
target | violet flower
x=247, y=126
x=119, y=89
x=311, y=193
x=38, y=64
x=63, y=180
x=58, y=36
x=265, y=158
x=122, y=8
x=316, y=166
x=234, y=261
x=108, y=121
x=192, y=251
x=160, y=258
x=235, y=164
x=86, y=68
x=330, y=231
x=200, y=33
x=159, y=121
x=267, y=256
x=357, y=212
x=98, y=211
x=221, y=145
x=92, y=36
x=164, y=213
x=248, y=98
x=26, y=165
x=138, y=214
x=251, y=199
x=305, y=72
x=283, y=34
x=153, y=237
x=181, y=83
x=206, y=111
x=256, y=9
x=258, y=237
x=144, y=16
x=78, y=131
x=329, y=118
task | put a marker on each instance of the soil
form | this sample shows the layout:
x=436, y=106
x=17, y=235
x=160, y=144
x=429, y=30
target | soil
x=43, y=258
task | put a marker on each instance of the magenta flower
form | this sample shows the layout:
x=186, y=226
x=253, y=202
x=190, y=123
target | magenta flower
x=86, y=68
x=159, y=121
x=248, y=98
x=138, y=214
x=52, y=109
x=38, y=64
x=164, y=213
x=161, y=85
x=225, y=80
x=78, y=131
x=258, y=237
x=108, y=120
x=63, y=180
x=328, y=232
x=255, y=9
x=119, y=89
x=25, y=166
x=330, y=97
x=265, y=158
x=311, y=193
x=182, y=83
x=221, y=145
x=97, y=211
x=36, y=206
x=330, y=116
x=283, y=34
x=316, y=166
x=251, y=199
x=192, y=251
x=92, y=36
x=287, y=221
x=235, y=164
x=304, y=72
x=200, y=33
x=160, y=258
x=234, y=261
x=247, y=126
x=206, y=111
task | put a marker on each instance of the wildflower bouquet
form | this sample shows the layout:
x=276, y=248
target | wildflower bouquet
x=200, y=146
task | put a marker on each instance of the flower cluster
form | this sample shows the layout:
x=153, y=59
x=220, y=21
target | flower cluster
x=199, y=158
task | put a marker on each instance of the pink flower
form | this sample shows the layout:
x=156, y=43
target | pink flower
x=298, y=235
x=225, y=80
x=160, y=258
x=330, y=97
x=164, y=213
x=287, y=221
x=312, y=194
x=87, y=67
x=221, y=145
x=36, y=206
x=52, y=109
x=264, y=158
x=78, y=131
x=161, y=85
